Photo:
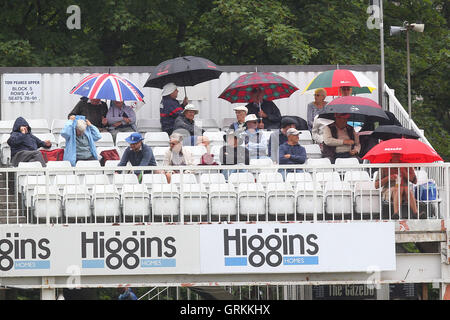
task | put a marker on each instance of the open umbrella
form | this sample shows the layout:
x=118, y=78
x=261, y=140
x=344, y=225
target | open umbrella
x=107, y=86
x=273, y=86
x=393, y=132
x=183, y=71
x=359, y=109
x=411, y=151
x=332, y=80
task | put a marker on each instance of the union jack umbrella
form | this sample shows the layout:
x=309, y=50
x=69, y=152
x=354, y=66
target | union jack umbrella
x=332, y=80
x=273, y=86
x=107, y=86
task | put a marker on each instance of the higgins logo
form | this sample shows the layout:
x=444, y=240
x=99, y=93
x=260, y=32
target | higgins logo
x=99, y=251
x=242, y=249
x=23, y=253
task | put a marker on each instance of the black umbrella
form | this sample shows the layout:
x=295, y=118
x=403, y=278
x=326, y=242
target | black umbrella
x=359, y=109
x=393, y=132
x=183, y=71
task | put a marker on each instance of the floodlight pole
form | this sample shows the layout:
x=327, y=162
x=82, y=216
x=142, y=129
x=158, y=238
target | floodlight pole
x=409, y=75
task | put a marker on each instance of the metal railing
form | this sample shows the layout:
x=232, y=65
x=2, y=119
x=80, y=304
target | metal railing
x=208, y=194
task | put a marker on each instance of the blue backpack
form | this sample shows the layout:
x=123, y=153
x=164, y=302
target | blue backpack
x=426, y=191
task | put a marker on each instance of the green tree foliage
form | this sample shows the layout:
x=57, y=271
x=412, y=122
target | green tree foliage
x=146, y=32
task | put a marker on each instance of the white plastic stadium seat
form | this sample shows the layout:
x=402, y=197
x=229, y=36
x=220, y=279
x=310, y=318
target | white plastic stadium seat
x=269, y=177
x=76, y=201
x=223, y=200
x=178, y=178
x=326, y=176
x=124, y=178
x=90, y=180
x=367, y=198
x=47, y=136
x=309, y=198
x=237, y=178
x=280, y=199
x=5, y=149
x=135, y=201
x=251, y=199
x=57, y=126
x=208, y=124
x=148, y=125
x=159, y=153
x=46, y=200
x=156, y=139
x=150, y=179
x=226, y=123
x=38, y=126
x=313, y=151
x=353, y=177
x=323, y=164
x=305, y=137
x=195, y=200
x=88, y=164
x=106, y=140
x=338, y=198
x=106, y=201
x=165, y=201
x=296, y=178
x=207, y=179
x=215, y=138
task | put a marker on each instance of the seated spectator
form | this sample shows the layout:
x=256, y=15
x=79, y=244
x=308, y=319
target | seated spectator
x=170, y=108
x=125, y=293
x=394, y=183
x=80, y=135
x=241, y=113
x=138, y=154
x=254, y=139
x=314, y=108
x=233, y=153
x=185, y=125
x=94, y=110
x=291, y=152
x=207, y=158
x=340, y=139
x=121, y=118
x=24, y=145
x=278, y=137
x=267, y=112
x=177, y=155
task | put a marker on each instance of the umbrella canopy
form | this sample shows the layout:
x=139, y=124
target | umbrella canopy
x=183, y=71
x=107, y=86
x=393, y=132
x=359, y=109
x=332, y=80
x=273, y=86
x=411, y=151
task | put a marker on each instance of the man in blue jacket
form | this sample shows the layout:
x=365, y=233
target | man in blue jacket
x=291, y=152
x=80, y=135
x=24, y=145
x=138, y=154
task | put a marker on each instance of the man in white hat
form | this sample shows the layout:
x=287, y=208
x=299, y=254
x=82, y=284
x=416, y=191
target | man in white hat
x=241, y=113
x=185, y=124
x=255, y=140
x=170, y=108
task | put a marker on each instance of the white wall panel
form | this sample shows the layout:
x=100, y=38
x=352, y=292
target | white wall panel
x=56, y=102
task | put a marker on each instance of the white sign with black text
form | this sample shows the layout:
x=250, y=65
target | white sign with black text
x=21, y=87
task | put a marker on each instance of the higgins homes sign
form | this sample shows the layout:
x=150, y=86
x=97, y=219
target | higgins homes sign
x=36, y=250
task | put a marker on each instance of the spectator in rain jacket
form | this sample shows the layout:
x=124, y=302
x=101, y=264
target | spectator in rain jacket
x=80, y=135
x=170, y=108
x=24, y=145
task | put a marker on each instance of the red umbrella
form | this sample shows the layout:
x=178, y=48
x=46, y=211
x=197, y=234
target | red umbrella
x=274, y=87
x=411, y=151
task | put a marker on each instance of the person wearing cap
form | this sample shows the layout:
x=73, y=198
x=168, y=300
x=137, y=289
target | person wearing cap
x=80, y=135
x=233, y=153
x=340, y=139
x=185, y=124
x=291, y=152
x=177, y=155
x=314, y=108
x=278, y=137
x=241, y=113
x=268, y=113
x=94, y=110
x=170, y=108
x=121, y=118
x=254, y=139
x=137, y=153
